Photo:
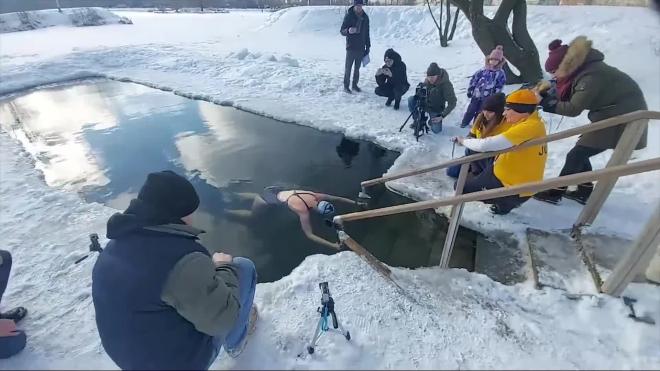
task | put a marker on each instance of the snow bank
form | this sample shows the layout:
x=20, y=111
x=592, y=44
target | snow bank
x=412, y=24
x=77, y=17
x=509, y=327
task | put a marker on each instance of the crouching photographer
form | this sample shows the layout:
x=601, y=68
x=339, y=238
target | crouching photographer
x=436, y=95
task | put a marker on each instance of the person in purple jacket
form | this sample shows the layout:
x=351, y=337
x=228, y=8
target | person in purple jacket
x=484, y=83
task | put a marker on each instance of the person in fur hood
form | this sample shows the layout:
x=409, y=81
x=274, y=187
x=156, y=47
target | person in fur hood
x=487, y=81
x=392, y=79
x=585, y=82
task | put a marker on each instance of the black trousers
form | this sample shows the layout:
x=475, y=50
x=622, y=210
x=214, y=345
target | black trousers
x=487, y=180
x=353, y=61
x=5, y=268
x=388, y=91
x=577, y=161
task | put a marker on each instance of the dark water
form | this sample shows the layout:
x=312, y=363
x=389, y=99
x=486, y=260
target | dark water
x=101, y=138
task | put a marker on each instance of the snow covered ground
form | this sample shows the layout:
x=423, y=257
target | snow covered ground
x=78, y=17
x=289, y=65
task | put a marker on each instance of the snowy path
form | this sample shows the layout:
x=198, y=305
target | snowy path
x=290, y=68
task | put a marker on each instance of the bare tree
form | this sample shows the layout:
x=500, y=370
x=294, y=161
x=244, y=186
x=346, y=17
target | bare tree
x=445, y=35
x=519, y=48
x=57, y=3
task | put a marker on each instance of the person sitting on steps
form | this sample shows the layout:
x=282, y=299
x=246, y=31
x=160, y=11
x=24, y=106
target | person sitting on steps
x=489, y=122
x=392, y=79
x=515, y=167
x=298, y=201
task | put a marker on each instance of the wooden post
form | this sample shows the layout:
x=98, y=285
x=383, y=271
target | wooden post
x=637, y=259
x=627, y=143
x=455, y=218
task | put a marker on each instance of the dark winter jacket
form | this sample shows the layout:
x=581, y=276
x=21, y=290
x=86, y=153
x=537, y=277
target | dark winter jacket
x=160, y=302
x=399, y=79
x=441, y=96
x=359, y=41
x=600, y=88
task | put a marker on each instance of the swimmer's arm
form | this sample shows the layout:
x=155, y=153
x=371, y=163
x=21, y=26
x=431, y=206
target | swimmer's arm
x=307, y=228
x=337, y=199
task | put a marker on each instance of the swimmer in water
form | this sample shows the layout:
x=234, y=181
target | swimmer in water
x=298, y=201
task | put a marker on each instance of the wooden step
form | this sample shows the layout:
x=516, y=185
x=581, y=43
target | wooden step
x=557, y=262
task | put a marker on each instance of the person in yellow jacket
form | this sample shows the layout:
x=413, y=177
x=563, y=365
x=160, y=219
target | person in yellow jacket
x=515, y=167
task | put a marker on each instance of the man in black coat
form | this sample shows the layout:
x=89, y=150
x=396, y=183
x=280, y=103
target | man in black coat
x=356, y=29
x=392, y=79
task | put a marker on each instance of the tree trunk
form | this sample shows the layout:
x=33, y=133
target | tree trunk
x=519, y=48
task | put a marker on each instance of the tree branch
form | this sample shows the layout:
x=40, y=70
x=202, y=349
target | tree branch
x=504, y=10
x=464, y=6
x=428, y=3
x=453, y=27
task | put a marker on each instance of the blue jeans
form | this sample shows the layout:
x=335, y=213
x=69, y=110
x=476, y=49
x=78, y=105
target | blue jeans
x=247, y=282
x=412, y=106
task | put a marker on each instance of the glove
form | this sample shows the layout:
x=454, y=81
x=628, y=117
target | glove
x=366, y=52
x=469, y=94
x=549, y=103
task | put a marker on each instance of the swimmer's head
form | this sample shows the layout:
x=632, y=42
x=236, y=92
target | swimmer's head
x=325, y=208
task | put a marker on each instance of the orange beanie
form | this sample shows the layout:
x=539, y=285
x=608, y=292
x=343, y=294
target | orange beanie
x=522, y=96
x=522, y=101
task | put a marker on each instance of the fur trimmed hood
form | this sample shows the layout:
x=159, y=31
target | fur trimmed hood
x=579, y=52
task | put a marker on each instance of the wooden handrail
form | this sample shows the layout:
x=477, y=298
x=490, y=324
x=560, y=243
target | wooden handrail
x=599, y=125
x=533, y=187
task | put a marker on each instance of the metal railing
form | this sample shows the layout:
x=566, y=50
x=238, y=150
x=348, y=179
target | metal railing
x=607, y=177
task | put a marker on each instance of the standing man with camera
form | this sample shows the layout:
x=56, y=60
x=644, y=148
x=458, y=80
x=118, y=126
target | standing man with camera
x=356, y=29
x=440, y=97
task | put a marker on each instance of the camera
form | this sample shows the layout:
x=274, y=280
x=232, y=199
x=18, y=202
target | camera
x=421, y=93
x=325, y=292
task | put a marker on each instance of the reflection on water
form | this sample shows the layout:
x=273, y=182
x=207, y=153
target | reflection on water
x=101, y=138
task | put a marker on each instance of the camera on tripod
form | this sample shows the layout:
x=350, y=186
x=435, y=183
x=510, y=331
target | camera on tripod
x=419, y=115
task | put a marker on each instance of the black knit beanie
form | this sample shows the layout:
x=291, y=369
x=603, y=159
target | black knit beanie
x=495, y=103
x=433, y=70
x=169, y=193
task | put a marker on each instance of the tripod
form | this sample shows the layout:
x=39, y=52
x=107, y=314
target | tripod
x=327, y=309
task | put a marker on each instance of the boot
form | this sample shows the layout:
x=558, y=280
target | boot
x=581, y=195
x=389, y=101
x=356, y=88
x=397, y=102
x=551, y=196
x=347, y=90
x=16, y=314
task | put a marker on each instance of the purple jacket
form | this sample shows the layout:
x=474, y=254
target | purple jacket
x=486, y=82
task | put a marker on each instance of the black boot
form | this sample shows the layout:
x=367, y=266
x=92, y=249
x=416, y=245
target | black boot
x=581, y=195
x=551, y=196
x=347, y=90
x=397, y=102
x=389, y=101
x=356, y=88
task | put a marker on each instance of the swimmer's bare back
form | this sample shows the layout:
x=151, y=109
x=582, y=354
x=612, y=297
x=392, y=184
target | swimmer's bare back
x=300, y=201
